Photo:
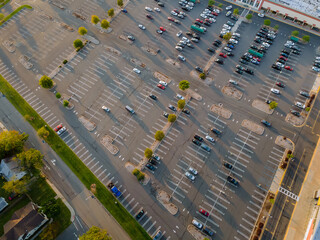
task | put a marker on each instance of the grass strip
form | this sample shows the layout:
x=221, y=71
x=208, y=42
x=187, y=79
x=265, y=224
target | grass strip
x=124, y=218
x=4, y=3
x=13, y=13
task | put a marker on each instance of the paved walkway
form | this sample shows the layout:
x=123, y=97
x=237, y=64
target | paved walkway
x=306, y=206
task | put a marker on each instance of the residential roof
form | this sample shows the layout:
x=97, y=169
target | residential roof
x=3, y=203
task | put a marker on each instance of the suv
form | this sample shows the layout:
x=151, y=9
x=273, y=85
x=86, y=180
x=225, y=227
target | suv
x=215, y=131
x=207, y=231
x=196, y=142
x=200, y=139
x=232, y=180
x=140, y=214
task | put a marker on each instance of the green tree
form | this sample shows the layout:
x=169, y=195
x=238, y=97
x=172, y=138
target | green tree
x=105, y=24
x=58, y=95
x=95, y=19
x=249, y=16
x=273, y=105
x=11, y=142
x=236, y=11
x=65, y=103
x=1, y=16
x=135, y=171
x=202, y=76
x=120, y=3
x=140, y=176
x=46, y=82
x=111, y=12
x=295, y=33
x=220, y=5
x=159, y=135
x=50, y=232
x=211, y=2
x=172, y=118
x=276, y=27
x=51, y=208
x=227, y=36
x=30, y=161
x=78, y=43
x=307, y=109
x=181, y=103
x=267, y=22
x=43, y=133
x=82, y=31
x=184, y=84
x=306, y=38
x=16, y=186
x=148, y=153
x=95, y=233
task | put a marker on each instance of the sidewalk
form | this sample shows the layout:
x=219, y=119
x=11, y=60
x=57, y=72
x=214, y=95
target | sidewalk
x=305, y=207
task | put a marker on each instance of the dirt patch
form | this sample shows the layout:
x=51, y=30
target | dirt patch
x=294, y=120
x=137, y=62
x=164, y=198
x=262, y=106
x=252, y=126
x=66, y=26
x=162, y=77
x=113, y=50
x=285, y=143
x=173, y=62
x=123, y=37
x=232, y=92
x=130, y=167
x=149, y=50
x=218, y=109
x=196, y=233
x=193, y=94
x=107, y=142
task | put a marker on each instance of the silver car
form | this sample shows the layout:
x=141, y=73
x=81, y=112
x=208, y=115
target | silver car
x=190, y=176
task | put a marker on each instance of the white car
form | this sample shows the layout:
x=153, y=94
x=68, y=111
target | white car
x=179, y=34
x=229, y=7
x=290, y=42
x=216, y=10
x=180, y=97
x=280, y=64
x=233, y=82
x=163, y=83
x=157, y=9
x=193, y=171
x=182, y=58
x=174, y=13
x=266, y=44
x=190, y=176
x=191, y=4
x=210, y=139
x=185, y=39
x=197, y=224
x=183, y=13
x=227, y=49
x=228, y=13
x=105, y=109
x=178, y=48
x=236, y=34
x=316, y=69
x=62, y=130
x=213, y=19
x=299, y=105
x=275, y=91
x=141, y=27
x=136, y=70
x=233, y=41
x=156, y=157
x=317, y=58
x=203, y=15
x=203, y=28
x=181, y=16
x=261, y=15
x=148, y=9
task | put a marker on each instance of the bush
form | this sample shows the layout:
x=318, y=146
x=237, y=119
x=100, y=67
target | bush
x=111, y=12
x=46, y=82
x=77, y=44
x=95, y=19
x=307, y=109
x=227, y=36
x=65, y=103
x=120, y=3
x=249, y=16
x=295, y=33
x=43, y=133
x=105, y=24
x=202, y=76
x=135, y=172
x=267, y=22
x=184, y=84
x=148, y=153
x=211, y=2
x=181, y=103
x=82, y=31
x=276, y=27
x=220, y=5
x=65, y=61
x=60, y=66
x=273, y=105
x=306, y=38
x=172, y=118
x=140, y=176
x=1, y=16
x=236, y=11
x=159, y=135
x=58, y=95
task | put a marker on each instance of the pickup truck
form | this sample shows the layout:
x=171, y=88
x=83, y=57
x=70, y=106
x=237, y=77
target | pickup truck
x=114, y=189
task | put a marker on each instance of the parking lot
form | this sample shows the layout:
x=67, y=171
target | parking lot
x=98, y=77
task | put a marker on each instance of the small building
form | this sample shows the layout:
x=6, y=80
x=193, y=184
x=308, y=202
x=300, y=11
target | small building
x=25, y=223
x=3, y=203
x=10, y=169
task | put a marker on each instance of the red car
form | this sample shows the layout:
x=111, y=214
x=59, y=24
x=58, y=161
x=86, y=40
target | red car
x=203, y=212
x=198, y=20
x=57, y=128
x=162, y=29
x=161, y=86
x=149, y=16
x=223, y=55
x=288, y=68
x=283, y=58
x=171, y=19
x=208, y=20
x=214, y=13
x=256, y=58
x=280, y=84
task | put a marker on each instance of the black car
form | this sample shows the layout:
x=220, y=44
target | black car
x=295, y=113
x=296, y=52
x=239, y=71
x=254, y=47
x=215, y=131
x=216, y=44
x=190, y=45
x=227, y=165
x=243, y=61
x=131, y=38
x=200, y=139
x=249, y=71
x=232, y=180
x=276, y=67
x=199, y=69
x=239, y=67
x=316, y=64
x=197, y=23
x=194, y=35
x=196, y=142
x=305, y=94
x=149, y=16
x=189, y=33
x=284, y=54
x=245, y=58
x=186, y=111
x=260, y=35
x=269, y=41
x=234, y=18
x=207, y=231
x=173, y=108
x=281, y=61
x=140, y=214
x=153, y=161
x=207, y=24
x=221, y=35
x=261, y=51
x=264, y=29
x=211, y=50
x=285, y=51
x=220, y=61
x=165, y=114
x=185, y=8
x=268, y=101
x=230, y=54
x=257, y=40
x=218, y=41
x=150, y=166
x=153, y=97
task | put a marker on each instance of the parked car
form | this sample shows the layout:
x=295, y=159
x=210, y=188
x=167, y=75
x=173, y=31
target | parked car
x=208, y=231
x=203, y=212
x=227, y=165
x=216, y=131
x=266, y=123
x=197, y=224
x=232, y=181
x=275, y=91
x=300, y=105
x=193, y=171
x=190, y=176
x=305, y=94
x=140, y=214
x=196, y=142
